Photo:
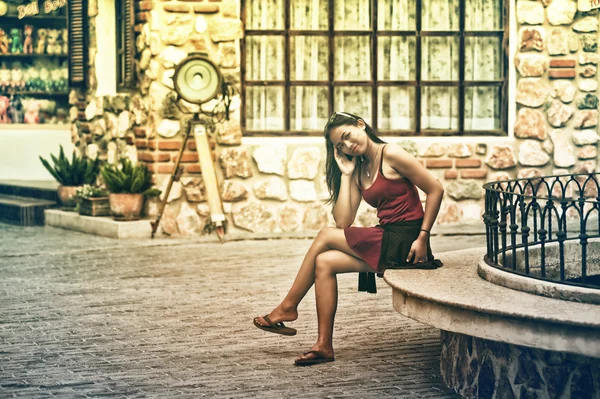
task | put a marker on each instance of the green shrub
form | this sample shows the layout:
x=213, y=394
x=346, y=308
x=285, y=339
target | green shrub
x=128, y=179
x=77, y=172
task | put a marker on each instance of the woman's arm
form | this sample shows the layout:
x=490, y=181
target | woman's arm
x=344, y=209
x=408, y=166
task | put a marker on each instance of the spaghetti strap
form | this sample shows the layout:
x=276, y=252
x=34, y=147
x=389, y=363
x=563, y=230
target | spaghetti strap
x=381, y=161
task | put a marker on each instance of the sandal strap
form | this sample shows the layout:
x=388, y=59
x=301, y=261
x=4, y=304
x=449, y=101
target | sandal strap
x=316, y=353
x=268, y=320
x=273, y=325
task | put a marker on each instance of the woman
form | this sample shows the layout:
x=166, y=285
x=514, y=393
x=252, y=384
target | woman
x=360, y=165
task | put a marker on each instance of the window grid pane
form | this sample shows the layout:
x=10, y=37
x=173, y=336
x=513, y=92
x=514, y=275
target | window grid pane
x=482, y=108
x=483, y=15
x=396, y=108
x=308, y=15
x=439, y=108
x=483, y=58
x=352, y=58
x=352, y=15
x=264, y=108
x=440, y=58
x=396, y=58
x=309, y=57
x=396, y=15
x=440, y=15
x=265, y=14
x=265, y=57
x=308, y=111
x=354, y=99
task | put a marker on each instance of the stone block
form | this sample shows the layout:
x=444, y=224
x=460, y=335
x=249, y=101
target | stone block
x=530, y=12
x=206, y=8
x=177, y=7
x=531, y=92
x=450, y=174
x=561, y=12
x=473, y=173
x=501, y=157
x=531, y=38
x=562, y=74
x=467, y=163
x=531, y=123
x=563, y=63
x=439, y=163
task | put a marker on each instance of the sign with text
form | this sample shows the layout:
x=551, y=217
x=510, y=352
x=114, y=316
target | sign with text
x=31, y=9
x=587, y=5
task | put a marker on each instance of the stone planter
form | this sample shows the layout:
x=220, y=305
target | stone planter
x=66, y=196
x=94, y=206
x=126, y=206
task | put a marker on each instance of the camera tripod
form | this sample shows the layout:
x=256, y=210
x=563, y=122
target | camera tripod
x=217, y=221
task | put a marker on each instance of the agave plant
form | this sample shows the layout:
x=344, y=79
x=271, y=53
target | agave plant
x=76, y=172
x=129, y=179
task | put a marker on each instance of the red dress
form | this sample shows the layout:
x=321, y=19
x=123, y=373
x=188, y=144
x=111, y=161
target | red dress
x=396, y=200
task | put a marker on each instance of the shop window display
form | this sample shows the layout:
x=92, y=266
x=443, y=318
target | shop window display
x=34, y=62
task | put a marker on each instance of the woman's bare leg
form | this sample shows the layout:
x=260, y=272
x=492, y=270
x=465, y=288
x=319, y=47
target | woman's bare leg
x=328, y=265
x=330, y=238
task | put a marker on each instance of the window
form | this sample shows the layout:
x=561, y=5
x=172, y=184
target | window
x=125, y=44
x=425, y=67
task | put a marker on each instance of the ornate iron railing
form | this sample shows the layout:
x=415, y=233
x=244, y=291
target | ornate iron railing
x=545, y=227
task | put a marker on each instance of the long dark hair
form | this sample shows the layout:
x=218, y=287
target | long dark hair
x=333, y=174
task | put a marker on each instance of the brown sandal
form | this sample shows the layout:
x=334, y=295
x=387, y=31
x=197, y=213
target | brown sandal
x=277, y=328
x=319, y=358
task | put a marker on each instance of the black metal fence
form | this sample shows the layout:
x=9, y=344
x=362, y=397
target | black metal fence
x=545, y=227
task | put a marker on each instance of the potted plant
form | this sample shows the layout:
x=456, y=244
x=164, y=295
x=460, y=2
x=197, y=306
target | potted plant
x=128, y=186
x=93, y=201
x=71, y=174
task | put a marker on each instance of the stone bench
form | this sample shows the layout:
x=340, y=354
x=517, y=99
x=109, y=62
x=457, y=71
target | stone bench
x=496, y=338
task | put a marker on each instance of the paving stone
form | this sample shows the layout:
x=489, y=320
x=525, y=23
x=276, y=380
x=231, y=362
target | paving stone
x=87, y=316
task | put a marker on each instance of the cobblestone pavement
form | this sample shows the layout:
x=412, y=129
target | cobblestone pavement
x=85, y=316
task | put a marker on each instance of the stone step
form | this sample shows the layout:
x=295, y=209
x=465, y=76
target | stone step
x=45, y=190
x=104, y=226
x=23, y=211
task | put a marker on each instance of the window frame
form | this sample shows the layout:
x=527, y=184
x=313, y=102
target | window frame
x=375, y=84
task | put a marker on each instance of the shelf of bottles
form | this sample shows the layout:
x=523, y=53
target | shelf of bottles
x=34, y=62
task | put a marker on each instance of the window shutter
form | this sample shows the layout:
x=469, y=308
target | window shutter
x=129, y=43
x=125, y=44
x=78, y=33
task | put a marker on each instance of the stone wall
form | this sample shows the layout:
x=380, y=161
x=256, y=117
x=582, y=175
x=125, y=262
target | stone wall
x=479, y=368
x=556, y=61
x=272, y=185
x=103, y=126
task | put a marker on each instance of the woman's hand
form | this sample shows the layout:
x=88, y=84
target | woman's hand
x=418, y=250
x=346, y=166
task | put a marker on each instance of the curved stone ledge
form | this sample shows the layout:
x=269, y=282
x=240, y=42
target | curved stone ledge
x=537, y=287
x=454, y=298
